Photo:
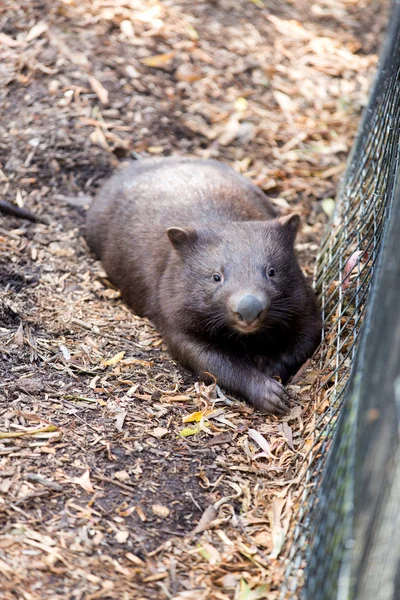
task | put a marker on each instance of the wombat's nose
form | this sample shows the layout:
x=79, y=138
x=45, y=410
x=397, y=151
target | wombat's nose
x=249, y=307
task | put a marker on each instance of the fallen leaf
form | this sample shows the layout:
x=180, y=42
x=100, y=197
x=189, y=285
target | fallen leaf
x=278, y=533
x=122, y=536
x=135, y=361
x=65, y=352
x=98, y=89
x=245, y=593
x=262, y=442
x=5, y=485
x=119, y=421
x=285, y=103
x=185, y=72
x=198, y=415
x=209, y=515
x=351, y=264
x=287, y=432
x=19, y=335
x=189, y=431
x=177, y=398
x=290, y=28
x=127, y=28
x=98, y=138
x=122, y=476
x=220, y=438
x=328, y=206
x=84, y=482
x=231, y=130
x=6, y=570
x=159, y=432
x=158, y=60
x=36, y=31
x=210, y=553
x=262, y=538
x=114, y=360
x=160, y=510
x=195, y=594
x=141, y=514
x=93, y=382
x=135, y=559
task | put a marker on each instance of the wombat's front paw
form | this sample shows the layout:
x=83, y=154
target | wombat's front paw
x=271, y=398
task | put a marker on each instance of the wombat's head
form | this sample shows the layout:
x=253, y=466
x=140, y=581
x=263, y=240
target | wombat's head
x=239, y=276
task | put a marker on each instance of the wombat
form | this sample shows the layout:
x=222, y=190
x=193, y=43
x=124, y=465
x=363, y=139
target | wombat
x=199, y=250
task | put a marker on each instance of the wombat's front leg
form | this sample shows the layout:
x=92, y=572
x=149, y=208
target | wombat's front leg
x=290, y=362
x=236, y=374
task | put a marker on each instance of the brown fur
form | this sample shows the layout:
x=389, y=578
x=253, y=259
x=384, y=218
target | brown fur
x=219, y=223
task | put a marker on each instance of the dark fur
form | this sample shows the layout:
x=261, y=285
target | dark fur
x=229, y=228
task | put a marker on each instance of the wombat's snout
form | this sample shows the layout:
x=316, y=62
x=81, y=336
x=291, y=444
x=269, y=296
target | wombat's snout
x=247, y=308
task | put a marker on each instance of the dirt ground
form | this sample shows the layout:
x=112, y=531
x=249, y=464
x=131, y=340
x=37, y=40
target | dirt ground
x=121, y=477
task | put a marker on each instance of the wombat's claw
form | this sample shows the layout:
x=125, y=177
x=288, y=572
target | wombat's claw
x=275, y=400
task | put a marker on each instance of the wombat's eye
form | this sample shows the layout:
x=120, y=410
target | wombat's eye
x=271, y=272
x=217, y=277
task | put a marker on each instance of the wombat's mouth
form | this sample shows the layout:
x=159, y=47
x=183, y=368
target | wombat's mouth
x=244, y=327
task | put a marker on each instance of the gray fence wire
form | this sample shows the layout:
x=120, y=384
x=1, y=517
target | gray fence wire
x=347, y=266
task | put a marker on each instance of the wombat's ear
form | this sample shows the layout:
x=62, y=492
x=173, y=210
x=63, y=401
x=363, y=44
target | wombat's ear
x=290, y=224
x=182, y=238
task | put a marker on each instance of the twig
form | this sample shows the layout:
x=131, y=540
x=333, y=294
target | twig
x=35, y=478
x=117, y=483
x=21, y=213
x=17, y=434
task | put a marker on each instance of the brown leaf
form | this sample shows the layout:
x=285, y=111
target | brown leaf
x=221, y=438
x=98, y=138
x=290, y=28
x=185, y=72
x=206, y=519
x=122, y=476
x=19, y=335
x=158, y=61
x=210, y=553
x=278, y=533
x=287, y=432
x=159, y=432
x=352, y=262
x=160, y=511
x=84, y=482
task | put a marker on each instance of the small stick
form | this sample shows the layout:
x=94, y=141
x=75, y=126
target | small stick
x=16, y=211
x=114, y=482
x=36, y=478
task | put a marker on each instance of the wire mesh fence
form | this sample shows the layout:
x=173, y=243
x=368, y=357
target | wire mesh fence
x=347, y=267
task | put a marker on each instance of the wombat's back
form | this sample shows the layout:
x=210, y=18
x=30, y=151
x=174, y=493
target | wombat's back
x=164, y=192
